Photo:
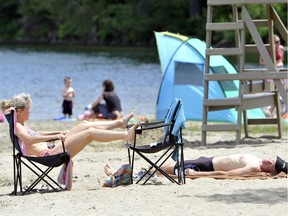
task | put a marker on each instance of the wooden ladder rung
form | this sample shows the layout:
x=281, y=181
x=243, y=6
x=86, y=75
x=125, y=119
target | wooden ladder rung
x=261, y=23
x=224, y=51
x=253, y=47
x=222, y=77
x=262, y=121
x=221, y=102
x=221, y=127
x=249, y=74
x=224, y=26
x=258, y=100
x=258, y=87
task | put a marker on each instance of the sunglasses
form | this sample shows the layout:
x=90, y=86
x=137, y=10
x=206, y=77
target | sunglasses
x=276, y=42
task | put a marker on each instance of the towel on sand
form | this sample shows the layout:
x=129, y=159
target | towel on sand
x=253, y=175
x=65, y=175
x=121, y=177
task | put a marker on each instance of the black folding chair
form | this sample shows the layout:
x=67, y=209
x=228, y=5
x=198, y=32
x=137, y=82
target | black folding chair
x=171, y=144
x=32, y=163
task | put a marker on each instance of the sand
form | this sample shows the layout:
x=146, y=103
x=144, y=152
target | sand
x=203, y=196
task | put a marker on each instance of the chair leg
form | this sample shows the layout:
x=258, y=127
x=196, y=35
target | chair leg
x=181, y=172
x=182, y=163
x=245, y=121
x=20, y=174
x=278, y=114
x=17, y=169
x=41, y=177
x=131, y=164
x=179, y=166
x=157, y=168
x=14, y=172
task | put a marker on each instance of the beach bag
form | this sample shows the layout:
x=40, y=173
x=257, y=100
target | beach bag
x=121, y=177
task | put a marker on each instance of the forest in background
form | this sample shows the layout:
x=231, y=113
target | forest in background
x=112, y=22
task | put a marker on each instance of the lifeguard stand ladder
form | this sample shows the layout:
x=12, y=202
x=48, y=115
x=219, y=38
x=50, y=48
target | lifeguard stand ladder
x=258, y=87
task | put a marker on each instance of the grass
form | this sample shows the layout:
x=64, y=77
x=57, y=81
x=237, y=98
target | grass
x=195, y=126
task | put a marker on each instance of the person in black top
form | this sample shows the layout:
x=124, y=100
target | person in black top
x=111, y=109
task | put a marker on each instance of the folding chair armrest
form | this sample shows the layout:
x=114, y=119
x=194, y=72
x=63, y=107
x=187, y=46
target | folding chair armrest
x=145, y=124
x=155, y=126
x=151, y=123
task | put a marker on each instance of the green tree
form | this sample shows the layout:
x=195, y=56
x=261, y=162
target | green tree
x=8, y=19
x=121, y=22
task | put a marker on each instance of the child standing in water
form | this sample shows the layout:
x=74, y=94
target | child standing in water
x=68, y=94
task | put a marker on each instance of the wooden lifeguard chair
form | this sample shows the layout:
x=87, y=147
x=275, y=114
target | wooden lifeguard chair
x=258, y=87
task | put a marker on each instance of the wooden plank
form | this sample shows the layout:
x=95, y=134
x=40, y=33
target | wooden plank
x=221, y=127
x=232, y=102
x=224, y=26
x=261, y=23
x=253, y=48
x=257, y=100
x=262, y=121
x=258, y=87
x=279, y=24
x=259, y=75
x=221, y=77
x=253, y=74
x=224, y=51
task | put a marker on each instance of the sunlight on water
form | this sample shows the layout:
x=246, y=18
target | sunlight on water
x=41, y=73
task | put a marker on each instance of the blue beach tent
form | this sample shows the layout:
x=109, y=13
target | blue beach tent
x=182, y=64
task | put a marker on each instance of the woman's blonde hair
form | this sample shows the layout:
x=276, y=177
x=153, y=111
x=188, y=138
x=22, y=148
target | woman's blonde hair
x=20, y=101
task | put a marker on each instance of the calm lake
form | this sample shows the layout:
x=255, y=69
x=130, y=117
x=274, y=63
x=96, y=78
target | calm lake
x=40, y=71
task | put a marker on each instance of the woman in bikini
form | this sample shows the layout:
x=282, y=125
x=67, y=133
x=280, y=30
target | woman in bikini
x=39, y=144
x=279, y=57
x=279, y=53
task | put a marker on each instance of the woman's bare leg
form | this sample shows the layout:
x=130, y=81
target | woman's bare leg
x=168, y=167
x=103, y=125
x=76, y=142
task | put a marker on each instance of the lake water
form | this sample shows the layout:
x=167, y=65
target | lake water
x=40, y=72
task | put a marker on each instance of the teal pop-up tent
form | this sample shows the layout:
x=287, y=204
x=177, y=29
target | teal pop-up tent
x=182, y=64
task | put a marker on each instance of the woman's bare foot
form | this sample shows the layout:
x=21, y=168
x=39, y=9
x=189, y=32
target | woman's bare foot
x=108, y=171
x=131, y=132
x=124, y=121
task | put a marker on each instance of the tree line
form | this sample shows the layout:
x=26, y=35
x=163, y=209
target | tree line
x=111, y=22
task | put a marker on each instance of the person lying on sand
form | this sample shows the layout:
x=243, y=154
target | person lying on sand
x=232, y=165
x=38, y=143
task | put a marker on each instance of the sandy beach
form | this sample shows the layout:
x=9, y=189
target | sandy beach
x=204, y=196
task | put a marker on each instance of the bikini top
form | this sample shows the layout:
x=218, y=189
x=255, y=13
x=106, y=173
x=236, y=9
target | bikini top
x=278, y=54
x=22, y=144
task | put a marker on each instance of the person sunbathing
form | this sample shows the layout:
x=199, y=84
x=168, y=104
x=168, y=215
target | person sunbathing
x=34, y=143
x=232, y=165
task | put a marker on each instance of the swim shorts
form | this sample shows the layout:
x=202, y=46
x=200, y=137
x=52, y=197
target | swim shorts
x=200, y=164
